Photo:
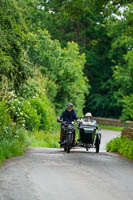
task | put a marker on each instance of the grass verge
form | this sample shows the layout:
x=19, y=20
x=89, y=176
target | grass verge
x=42, y=139
x=16, y=146
x=113, y=128
x=10, y=148
x=122, y=145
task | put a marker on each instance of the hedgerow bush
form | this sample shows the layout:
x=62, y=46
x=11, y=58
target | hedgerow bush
x=46, y=113
x=34, y=113
x=31, y=120
x=122, y=145
x=31, y=108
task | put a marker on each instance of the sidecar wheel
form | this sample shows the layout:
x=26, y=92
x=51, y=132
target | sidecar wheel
x=97, y=148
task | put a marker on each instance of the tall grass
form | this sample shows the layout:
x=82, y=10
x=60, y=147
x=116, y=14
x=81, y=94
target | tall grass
x=10, y=148
x=14, y=146
x=42, y=139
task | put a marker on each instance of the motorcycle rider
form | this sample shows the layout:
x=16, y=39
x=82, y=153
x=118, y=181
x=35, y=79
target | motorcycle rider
x=68, y=115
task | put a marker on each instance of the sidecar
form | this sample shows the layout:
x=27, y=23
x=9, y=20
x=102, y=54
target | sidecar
x=89, y=135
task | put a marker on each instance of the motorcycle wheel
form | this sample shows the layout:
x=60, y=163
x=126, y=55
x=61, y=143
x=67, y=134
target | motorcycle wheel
x=97, y=148
x=67, y=149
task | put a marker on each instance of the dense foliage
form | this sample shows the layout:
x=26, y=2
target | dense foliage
x=14, y=64
x=122, y=145
x=120, y=30
x=103, y=31
x=63, y=68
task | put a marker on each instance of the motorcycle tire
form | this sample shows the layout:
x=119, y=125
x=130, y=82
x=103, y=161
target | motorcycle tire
x=68, y=149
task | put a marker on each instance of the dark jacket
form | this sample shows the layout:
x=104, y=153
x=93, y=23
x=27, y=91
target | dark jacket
x=68, y=116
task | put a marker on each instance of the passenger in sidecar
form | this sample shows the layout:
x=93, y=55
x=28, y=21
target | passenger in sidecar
x=88, y=120
x=89, y=133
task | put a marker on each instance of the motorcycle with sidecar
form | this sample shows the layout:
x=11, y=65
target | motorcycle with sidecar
x=89, y=135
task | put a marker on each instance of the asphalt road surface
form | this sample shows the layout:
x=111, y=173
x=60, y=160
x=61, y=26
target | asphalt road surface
x=51, y=174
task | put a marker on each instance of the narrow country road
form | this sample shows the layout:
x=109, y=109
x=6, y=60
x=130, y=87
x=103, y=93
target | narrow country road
x=51, y=174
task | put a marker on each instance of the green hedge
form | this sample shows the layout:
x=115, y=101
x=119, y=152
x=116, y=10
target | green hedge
x=122, y=145
x=35, y=113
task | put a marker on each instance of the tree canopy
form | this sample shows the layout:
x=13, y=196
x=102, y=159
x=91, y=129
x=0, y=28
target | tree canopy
x=81, y=49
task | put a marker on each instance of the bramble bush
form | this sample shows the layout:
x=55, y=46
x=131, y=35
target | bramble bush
x=34, y=113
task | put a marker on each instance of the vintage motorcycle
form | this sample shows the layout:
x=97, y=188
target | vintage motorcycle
x=68, y=136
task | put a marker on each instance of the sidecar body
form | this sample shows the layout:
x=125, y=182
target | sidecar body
x=89, y=135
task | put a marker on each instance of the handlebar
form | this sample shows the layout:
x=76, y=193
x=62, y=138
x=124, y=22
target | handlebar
x=65, y=122
x=60, y=121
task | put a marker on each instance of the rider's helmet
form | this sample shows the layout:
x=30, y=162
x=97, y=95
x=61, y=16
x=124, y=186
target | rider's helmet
x=88, y=115
x=69, y=105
